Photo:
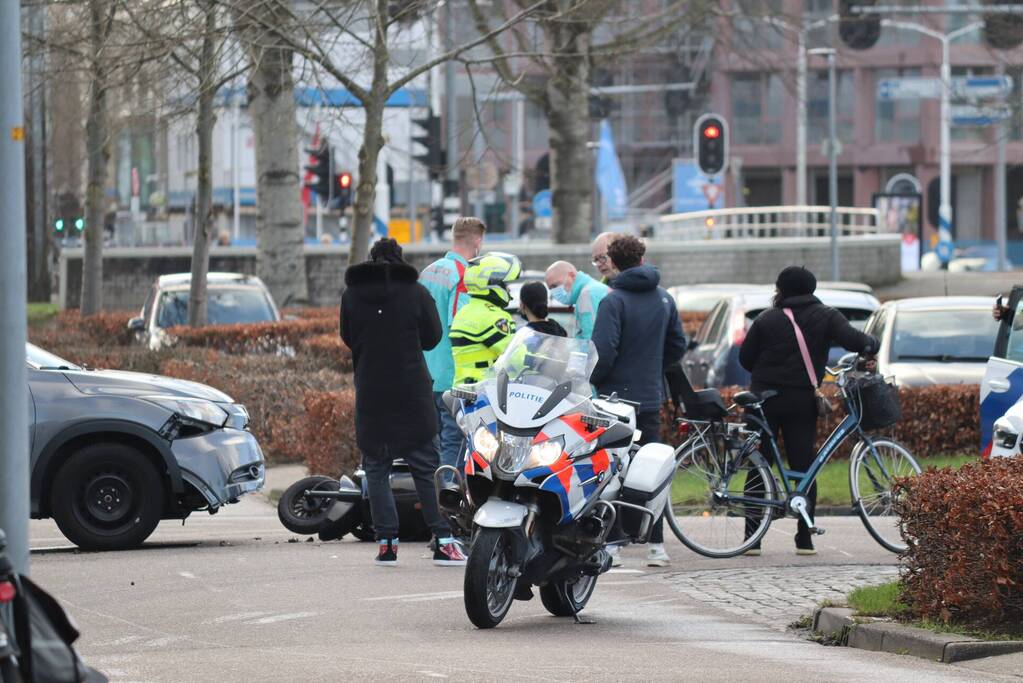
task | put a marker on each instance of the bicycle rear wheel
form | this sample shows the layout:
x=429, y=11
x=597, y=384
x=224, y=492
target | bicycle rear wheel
x=872, y=474
x=700, y=511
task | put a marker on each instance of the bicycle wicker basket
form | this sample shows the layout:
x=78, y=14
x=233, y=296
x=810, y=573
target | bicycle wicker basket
x=878, y=401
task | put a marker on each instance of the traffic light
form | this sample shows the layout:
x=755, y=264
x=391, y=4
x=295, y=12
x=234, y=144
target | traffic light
x=711, y=144
x=434, y=159
x=858, y=31
x=344, y=189
x=58, y=225
x=320, y=167
x=1003, y=31
x=79, y=224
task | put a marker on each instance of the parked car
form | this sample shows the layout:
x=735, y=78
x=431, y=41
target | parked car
x=1001, y=390
x=113, y=453
x=934, y=340
x=713, y=356
x=231, y=298
x=702, y=298
x=565, y=315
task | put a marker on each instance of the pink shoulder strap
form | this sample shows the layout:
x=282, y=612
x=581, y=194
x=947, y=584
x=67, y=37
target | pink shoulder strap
x=802, y=348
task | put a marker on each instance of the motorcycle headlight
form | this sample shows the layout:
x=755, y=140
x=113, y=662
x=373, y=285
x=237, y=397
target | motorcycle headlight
x=197, y=409
x=484, y=443
x=547, y=452
x=515, y=452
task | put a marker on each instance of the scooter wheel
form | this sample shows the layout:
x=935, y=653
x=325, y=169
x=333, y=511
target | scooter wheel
x=301, y=514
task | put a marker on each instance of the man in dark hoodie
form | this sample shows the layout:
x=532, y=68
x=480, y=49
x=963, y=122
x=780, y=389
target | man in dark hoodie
x=637, y=335
x=388, y=319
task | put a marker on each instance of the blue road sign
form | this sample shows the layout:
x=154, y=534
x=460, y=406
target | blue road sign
x=687, y=188
x=913, y=88
x=944, y=250
x=977, y=115
x=542, y=204
x=981, y=87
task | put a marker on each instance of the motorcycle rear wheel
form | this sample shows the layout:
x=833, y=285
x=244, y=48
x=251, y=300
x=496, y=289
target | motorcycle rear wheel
x=303, y=515
x=568, y=597
x=488, y=589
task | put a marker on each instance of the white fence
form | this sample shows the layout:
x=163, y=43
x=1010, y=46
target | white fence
x=766, y=221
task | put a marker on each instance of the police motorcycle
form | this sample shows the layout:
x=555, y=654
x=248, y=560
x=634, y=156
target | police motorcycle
x=551, y=478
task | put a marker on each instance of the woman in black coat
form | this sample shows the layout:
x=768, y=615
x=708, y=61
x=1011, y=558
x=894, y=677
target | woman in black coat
x=770, y=352
x=533, y=307
x=388, y=319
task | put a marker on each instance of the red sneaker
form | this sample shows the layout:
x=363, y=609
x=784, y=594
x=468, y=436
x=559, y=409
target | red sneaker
x=387, y=555
x=449, y=555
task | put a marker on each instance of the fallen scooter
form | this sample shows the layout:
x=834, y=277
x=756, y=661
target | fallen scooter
x=331, y=507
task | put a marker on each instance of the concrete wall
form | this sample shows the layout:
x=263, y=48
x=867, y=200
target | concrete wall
x=128, y=273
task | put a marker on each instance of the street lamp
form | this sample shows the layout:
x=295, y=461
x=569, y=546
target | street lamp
x=832, y=155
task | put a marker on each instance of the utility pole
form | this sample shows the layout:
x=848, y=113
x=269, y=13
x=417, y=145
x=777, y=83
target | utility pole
x=801, y=119
x=451, y=103
x=832, y=156
x=14, y=480
x=37, y=131
x=1002, y=131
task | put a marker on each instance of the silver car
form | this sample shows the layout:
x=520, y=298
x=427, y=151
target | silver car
x=934, y=340
x=231, y=298
x=113, y=453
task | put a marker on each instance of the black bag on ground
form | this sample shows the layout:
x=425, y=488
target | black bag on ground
x=879, y=402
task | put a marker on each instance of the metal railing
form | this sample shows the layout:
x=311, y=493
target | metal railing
x=766, y=221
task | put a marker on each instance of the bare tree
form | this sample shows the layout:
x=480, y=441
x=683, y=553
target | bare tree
x=262, y=27
x=556, y=77
x=97, y=145
x=369, y=26
x=191, y=36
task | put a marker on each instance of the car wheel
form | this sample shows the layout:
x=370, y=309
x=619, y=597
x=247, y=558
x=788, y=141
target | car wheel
x=107, y=496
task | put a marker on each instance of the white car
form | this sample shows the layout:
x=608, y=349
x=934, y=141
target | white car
x=231, y=298
x=934, y=340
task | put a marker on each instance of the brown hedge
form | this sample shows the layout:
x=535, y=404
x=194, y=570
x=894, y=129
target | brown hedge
x=328, y=436
x=936, y=420
x=965, y=533
x=273, y=337
x=69, y=328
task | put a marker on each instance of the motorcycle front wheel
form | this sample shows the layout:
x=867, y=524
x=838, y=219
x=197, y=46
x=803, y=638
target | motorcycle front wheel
x=488, y=588
x=567, y=598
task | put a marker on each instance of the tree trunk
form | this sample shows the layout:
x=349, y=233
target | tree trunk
x=98, y=155
x=280, y=259
x=366, y=190
x=205, y=120
x=571, y=159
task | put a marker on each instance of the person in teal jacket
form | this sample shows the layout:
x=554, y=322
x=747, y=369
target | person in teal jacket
x=443, y=279
x=572, y=288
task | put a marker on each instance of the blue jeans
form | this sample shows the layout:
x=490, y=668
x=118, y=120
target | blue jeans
x=423, y=463
x=451, y=440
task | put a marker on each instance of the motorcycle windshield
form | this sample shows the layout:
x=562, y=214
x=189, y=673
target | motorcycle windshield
x=539, y=377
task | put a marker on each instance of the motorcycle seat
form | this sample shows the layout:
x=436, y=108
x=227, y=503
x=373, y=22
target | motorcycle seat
x=748, y=399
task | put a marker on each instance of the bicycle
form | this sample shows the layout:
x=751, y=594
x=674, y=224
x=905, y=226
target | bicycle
x=724, y=492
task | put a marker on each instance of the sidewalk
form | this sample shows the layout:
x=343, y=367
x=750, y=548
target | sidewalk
x=280, y=477
x=940, y=283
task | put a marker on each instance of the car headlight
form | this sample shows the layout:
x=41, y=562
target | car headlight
x=484, y=443
x=547, y=452
x=197, y=409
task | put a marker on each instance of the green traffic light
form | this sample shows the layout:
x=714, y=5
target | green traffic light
x=80, y=224
x=59, y=224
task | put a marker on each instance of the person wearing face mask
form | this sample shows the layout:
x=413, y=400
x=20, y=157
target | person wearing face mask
x=573, y=288
x=533, y=308
x=444, y=279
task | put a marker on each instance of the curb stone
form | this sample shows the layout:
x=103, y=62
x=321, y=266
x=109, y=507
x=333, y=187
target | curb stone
x=906, y=640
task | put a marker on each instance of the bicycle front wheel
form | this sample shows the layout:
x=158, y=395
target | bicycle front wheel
x=873, y=470
x=701, y=509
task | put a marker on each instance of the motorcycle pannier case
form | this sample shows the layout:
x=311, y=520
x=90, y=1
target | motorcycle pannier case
x=647, y=484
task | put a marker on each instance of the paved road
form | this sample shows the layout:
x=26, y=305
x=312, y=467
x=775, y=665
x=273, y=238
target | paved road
x=231, y=598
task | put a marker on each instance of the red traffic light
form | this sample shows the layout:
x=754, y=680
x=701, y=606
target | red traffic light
x=712, y=132
x=344, y=180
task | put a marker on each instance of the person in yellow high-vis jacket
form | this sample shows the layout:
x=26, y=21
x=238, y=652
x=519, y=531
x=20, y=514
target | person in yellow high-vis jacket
x=482, y=328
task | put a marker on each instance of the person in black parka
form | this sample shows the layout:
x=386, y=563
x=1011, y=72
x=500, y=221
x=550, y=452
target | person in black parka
x=388, y=319
x=770, y=352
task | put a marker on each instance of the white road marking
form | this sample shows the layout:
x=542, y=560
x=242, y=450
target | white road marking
x=165, y=641
x=235, y=617
x=433, y=674
x=626, y=571
x=187, y=575
x=120, y=641
x=279, y=617
x=409, y=595
x=450, y=595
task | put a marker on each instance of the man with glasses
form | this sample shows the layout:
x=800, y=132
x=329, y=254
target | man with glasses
x=600, y=260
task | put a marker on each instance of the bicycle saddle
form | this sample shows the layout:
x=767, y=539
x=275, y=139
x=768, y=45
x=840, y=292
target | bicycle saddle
x=749, y=398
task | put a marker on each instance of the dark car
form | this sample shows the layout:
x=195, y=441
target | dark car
x=713, y=356
x=113, y=453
